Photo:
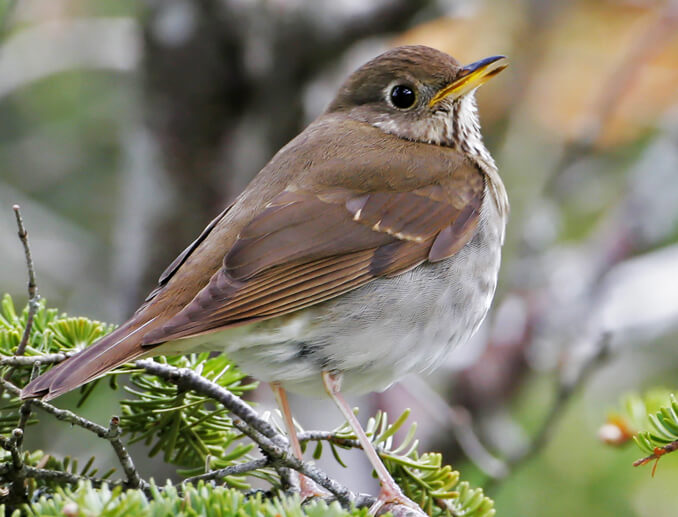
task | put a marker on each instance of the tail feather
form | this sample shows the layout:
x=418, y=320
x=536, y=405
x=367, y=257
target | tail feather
x=117, y=348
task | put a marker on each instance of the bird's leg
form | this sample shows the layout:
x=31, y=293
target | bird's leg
x=306, y=486
x=390, y=491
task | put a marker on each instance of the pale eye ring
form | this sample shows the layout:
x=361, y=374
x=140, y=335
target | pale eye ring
x=403, y=96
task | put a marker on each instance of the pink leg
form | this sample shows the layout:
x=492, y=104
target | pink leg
x=390, y=491
x=307, y=487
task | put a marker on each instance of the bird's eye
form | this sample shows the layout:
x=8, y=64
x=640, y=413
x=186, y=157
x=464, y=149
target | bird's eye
x=403, y=96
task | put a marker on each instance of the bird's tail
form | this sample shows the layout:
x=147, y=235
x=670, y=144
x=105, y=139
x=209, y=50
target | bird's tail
x=120, y=346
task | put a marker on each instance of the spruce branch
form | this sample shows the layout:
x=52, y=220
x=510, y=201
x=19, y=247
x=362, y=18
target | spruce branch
x=60, y=476
x=18, y=470
x=329, y=436
x=437, y=488
x=38, y=470
x=188, y=428
x=112, y=433
x=652, y=422
x=25, y=360
x=202, y=498
x=33, y=295
x=54, y=337
x=187, y=379
x=272, y=443
x=233, y=470
x=33, y=306
x=657, y=453
x=11, y=445
x=16, y=473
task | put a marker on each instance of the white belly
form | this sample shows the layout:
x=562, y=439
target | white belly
x=378, y=333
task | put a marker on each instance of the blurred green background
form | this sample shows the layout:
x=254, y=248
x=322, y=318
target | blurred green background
x=125, y=126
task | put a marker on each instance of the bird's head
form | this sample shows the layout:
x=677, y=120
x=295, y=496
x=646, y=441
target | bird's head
x=419, y=93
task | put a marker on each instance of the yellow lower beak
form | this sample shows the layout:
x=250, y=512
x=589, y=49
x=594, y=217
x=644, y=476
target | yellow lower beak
x=470, y=77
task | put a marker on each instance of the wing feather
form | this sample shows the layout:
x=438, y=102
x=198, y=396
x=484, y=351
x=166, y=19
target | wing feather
x=304, y=248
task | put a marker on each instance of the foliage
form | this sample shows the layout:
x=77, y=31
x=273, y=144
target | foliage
x=194, y=432
x=203, y=499
x=51, y=333
x=664, y=423
x=39, y=458
x=424, y=478
x=651, y=420
x=189, y=429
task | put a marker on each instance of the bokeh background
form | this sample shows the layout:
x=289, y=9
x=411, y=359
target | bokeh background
x=125, y=126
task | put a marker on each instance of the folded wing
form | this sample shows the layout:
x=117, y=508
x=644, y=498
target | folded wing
x=306, y=247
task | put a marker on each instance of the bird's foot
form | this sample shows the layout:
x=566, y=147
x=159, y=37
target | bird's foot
x=391, y=499
x=308, y=489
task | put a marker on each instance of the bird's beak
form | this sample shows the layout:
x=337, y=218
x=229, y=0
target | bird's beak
x=470, y=77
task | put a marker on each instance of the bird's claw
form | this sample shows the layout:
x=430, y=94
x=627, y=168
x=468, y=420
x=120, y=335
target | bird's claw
x=391, y=499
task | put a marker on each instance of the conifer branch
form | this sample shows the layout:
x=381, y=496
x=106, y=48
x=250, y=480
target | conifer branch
x=25, y=360
x=62, y=476
x=33, y=295
x=187, y=379
x=658, y=453
x=273, y=444
x=18, y=471
x=329, y=436
x=233, y=470
x=112, y=433
x=33, y=306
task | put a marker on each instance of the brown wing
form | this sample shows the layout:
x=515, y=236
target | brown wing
x=304, y=248
x=179, y=261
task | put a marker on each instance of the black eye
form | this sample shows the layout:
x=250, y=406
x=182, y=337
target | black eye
x=402, y=96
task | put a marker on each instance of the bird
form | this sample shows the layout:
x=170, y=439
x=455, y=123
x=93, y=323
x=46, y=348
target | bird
x=367, y=248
